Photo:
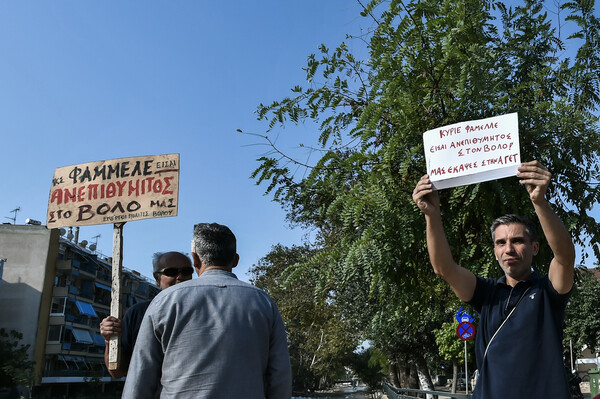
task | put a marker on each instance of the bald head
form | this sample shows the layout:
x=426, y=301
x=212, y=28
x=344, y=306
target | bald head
x=171, y=268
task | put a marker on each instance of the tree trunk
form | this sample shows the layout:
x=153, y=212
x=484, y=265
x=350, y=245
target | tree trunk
x=404, y=373
x=454, y=375
x=413, y=377
x=393, y=372
x=425, y=382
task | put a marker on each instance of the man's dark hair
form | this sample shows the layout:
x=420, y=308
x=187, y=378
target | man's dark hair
x=530, y=228
x=214, y=244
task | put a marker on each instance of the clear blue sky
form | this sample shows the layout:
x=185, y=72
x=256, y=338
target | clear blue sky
x=84, y=81
x=89, y=81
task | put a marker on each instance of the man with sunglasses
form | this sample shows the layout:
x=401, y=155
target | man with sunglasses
x=213, y=337
x=170, y=268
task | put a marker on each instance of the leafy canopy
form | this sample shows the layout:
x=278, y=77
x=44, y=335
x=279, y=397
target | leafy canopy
x=432, y=63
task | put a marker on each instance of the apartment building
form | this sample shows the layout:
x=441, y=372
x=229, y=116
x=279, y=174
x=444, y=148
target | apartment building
x=55, y=290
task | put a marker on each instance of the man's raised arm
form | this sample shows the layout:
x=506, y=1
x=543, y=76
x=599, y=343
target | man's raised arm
x=536, y=179
x=461, y=280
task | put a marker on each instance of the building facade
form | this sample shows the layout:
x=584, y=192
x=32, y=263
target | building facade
x=55, y=291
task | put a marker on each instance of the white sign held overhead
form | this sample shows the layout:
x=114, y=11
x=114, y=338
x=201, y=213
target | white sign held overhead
x=473, y=152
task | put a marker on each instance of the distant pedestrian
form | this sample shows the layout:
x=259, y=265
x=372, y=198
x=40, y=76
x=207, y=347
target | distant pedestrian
x=519, y=343
x=212, y=337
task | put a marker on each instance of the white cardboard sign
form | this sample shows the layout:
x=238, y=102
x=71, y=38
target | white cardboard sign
x=473, y=152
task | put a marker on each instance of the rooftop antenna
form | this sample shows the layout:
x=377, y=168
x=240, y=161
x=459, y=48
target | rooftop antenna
x=95, y=244
x=14, y=218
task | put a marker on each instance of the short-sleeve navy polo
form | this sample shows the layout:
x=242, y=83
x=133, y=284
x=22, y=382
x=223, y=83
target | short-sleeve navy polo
x=524, y=358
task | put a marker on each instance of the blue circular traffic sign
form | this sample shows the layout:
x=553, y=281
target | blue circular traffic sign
x=465, y=330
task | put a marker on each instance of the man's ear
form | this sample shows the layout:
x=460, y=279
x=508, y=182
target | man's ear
x=236, y=260
x=536, y=247
x=157, y=278
x=197, y=263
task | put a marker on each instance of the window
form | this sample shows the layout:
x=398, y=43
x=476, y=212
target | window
x=60, y=280
x=58, y=306
x=54, y=333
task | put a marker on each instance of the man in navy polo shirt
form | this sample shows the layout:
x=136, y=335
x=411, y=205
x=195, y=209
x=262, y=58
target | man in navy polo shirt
x=519, y=343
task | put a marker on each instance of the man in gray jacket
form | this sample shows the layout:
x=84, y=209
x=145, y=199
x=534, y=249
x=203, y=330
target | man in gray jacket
x=212, y=337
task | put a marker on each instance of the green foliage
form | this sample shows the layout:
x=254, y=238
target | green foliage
x=583, y=313
x=370, y=366
x=320, y=338
x=432, y=63
x=15, y=368
x=449, y=346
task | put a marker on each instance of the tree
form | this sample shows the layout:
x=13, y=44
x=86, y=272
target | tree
x=15, y=367
x=320, y=340
x=452, y=348
x=432, y=63
x=583, y=313
x=370, y=367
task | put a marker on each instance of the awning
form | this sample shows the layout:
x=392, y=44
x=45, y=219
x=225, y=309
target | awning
x=104, y=287
x=99, y=340
x=82, y=336
x=86, y=308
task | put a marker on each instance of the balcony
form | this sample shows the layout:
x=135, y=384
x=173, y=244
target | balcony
x=75, y=348
x=53, y=349
x=60, y=291
x=64, y=264
x=104, y=275
x=65, y=366
x=102, y=300
x=56, y=320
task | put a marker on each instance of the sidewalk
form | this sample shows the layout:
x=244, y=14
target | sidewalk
x=339, y=391
x=585, y=393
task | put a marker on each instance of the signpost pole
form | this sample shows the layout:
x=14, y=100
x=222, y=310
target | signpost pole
x=465, y=331
x=114, y=354
x=466, y=370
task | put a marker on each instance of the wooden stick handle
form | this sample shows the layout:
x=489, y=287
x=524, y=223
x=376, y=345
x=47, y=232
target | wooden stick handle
x=114, y=349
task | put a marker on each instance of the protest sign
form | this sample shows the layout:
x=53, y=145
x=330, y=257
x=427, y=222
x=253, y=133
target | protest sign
x=473, y=152
x=114, y=191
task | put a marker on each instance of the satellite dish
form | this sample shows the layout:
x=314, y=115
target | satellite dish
x=62, y=231
x=92, y=247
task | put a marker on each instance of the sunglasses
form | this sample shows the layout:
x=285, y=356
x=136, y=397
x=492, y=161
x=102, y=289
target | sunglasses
x=174, y=271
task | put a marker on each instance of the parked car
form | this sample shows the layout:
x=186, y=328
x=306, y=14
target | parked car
x=461, y=382
x=474, y=378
